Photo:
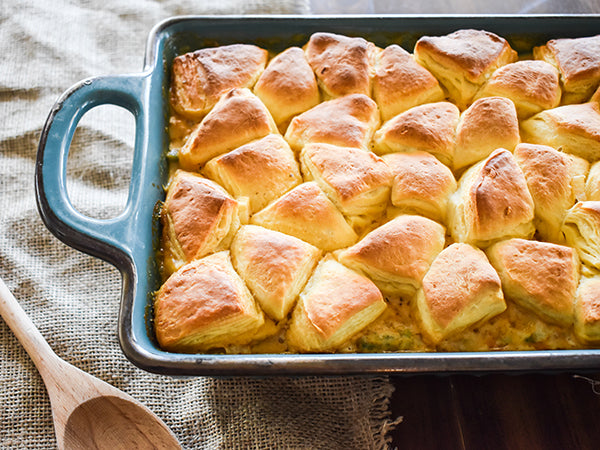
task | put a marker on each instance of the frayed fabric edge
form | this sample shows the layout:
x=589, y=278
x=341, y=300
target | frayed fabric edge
x=382, y=422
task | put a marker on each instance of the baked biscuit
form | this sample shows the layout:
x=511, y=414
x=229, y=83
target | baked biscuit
x=573, y=129
x=421, y=185
x=401, y=83
x=550, y=180
x=336, y=304
x=531, y=85
x=368, y=180
x=288, y=86
x=260, y=171
x=356, y=181
x=348, y=121
x=397, y=254
x=463, y=61
x=596, y=96
x=539, y=276
x=592, y=183
x=582, y=231
x=460, y=290
x=430, y=128
x=489, y=123
x=343, y=65
x=200, y=78
x=587, y=310
x=580, y=168
x=492, y=202
x=205, y=306
x=306, y=213
x=238, y=118
x=198, y=218
x=275, y=266
x=578, y=61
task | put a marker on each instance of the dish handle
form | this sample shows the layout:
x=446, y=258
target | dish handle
x=109, y=239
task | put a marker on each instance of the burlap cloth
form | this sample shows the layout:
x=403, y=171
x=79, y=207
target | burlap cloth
x=47, y=46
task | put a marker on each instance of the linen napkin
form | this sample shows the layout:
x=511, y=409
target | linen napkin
x=46, y=47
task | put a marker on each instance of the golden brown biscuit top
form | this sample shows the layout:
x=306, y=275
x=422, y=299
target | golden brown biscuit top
x=488, y=118
x=403, y=246
x=548, y=272
x=582, y=119
x=288, y=85
x=287, y=76
x=398, y=72
x=237, y=118
x=307, y=213
x=342, y=64
x=420, y=174
x=273, y=252
x=432, y=125
x=347, y=121
x=262, y=154
x=589, y=296
x=350, y=171
x=201, y=77
x=241, y=110
x=576, y=58
x=536, y=81
x=201, y=294
x=460, y=274
x=268, y=246
x=337, y=295
x=500, y=193
x=195, y=206
x=308, y=201
x=473, y=51
x=548, y=172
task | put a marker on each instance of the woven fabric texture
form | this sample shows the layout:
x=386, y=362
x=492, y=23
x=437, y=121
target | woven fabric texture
x=47, y=46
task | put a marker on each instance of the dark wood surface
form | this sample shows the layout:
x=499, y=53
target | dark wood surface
x=533, y=411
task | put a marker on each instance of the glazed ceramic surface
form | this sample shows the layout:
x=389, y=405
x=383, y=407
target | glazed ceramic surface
x=130, y=240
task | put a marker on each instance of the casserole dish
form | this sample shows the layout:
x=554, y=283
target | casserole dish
x=130, y=240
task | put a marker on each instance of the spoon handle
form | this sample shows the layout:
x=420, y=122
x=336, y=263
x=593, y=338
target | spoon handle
x=25, y=330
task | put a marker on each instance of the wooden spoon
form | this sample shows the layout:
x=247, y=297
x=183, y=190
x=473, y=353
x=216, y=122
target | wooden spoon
x=88, y=413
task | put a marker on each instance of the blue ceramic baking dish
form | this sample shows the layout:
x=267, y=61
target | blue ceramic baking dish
x=130, y=240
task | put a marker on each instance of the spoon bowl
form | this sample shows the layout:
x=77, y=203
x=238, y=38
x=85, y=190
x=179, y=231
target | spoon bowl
x=87, y=412
x=108, y=420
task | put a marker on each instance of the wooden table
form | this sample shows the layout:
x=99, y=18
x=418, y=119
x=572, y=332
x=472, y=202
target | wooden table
x=532, y=411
